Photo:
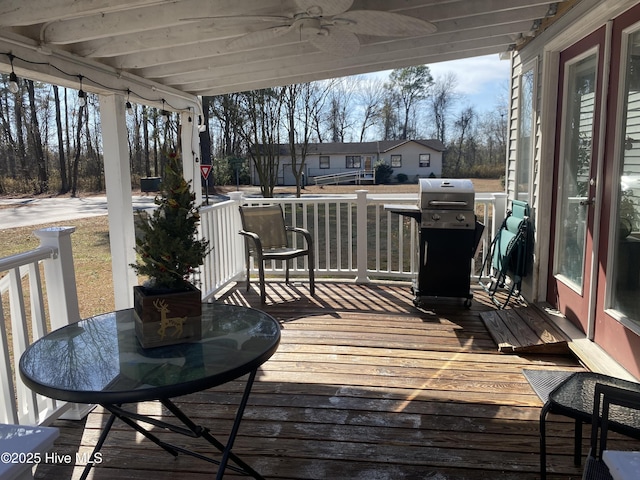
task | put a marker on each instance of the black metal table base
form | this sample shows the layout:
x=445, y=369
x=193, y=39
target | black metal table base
x=188, y=428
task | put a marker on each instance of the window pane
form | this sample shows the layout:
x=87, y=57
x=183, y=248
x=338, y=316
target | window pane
x=578, y=119
x=525, y=134
x=353, y=161
x=626, y=267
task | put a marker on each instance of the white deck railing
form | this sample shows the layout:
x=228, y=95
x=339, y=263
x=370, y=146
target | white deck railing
x=31, y=317
x=354, y=237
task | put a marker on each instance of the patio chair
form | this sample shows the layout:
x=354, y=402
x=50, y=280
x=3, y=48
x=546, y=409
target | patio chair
x=510, y=253
x=267, y=238
x=574, y=398
x=611, y=405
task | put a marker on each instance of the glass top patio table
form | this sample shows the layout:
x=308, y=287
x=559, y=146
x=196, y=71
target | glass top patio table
x=99, y=360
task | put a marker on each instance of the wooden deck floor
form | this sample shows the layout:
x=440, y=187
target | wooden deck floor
x=363, y=386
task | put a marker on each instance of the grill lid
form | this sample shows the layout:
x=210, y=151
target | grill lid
x=446, y=194
x=446, y=203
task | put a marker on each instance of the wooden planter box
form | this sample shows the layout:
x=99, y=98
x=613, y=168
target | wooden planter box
x=167, y=318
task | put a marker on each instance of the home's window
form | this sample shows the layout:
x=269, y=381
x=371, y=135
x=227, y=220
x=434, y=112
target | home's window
x=525, y=134
x=424, y=160
x=354, y=161
x=324, y=161
x=396, y=161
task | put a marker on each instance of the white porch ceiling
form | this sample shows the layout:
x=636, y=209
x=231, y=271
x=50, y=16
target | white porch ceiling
x=187, y=46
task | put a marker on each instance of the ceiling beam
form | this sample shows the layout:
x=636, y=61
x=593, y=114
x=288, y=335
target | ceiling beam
x=202, y=68
x=368, y=63
x=207, y=49
x=20, y=12
x=252, y=84
x=211, y=30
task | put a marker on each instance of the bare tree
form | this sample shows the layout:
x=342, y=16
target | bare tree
x=262, y=131
x=21, y=150
x=226, y=109
x=7, y=136
x=302, y=103
x=35, y=140
x=411, y=86
x=443, y=97
x=338, y=116
x=464, y=125
x=62, y=162
x=389, y=118
x=369, y=98
x=76, y=158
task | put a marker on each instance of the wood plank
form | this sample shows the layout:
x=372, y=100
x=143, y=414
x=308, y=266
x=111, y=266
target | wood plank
x=363, y=385
x=524, y=329
x=520, y=329
x=504, y=338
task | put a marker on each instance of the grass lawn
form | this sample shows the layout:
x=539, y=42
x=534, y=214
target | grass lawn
x=91, y=254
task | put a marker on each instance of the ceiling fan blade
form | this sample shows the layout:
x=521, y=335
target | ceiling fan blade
x=335, y=41
x=386, y=24
x=324, y=8
x=242, y=18
x=259, y=37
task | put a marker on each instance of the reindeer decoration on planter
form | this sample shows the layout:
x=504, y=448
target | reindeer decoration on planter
x=168, y=322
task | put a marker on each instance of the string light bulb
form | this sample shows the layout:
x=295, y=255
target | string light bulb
x=13, y=83
x=127, y=105
x=82, y=97
x=13, y=78
x=164, y=112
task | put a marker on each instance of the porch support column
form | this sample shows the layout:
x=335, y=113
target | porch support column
x=361, y=236
x=190, y=141
x=119, y=204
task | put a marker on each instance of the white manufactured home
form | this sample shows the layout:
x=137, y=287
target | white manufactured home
x=412, y=158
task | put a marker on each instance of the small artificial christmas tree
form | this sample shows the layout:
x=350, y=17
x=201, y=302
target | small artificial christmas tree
x=167, y=247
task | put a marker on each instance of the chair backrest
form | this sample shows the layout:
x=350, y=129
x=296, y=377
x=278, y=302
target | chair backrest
x=514, y=242
x=613, y=405
x=267, y=221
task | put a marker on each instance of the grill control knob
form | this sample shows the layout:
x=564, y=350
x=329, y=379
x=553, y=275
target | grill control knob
x=435, y=217
x=460, y=217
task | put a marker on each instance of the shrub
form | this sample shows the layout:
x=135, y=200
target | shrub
x=383, y=172
x=402, y=177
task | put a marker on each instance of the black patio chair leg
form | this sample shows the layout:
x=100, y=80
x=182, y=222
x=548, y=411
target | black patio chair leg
x=577, y=447
x=312, y=276
x=286, y=272
x=248, y=272
x=543, y=441
x=263, y=293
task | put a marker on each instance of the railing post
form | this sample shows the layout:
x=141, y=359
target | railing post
x=361, y=236
x=499, y=211
x=60, y=276
x=238, y=198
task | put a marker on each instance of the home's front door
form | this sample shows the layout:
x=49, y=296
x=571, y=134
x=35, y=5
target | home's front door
x=616, y=326
x=576, y=165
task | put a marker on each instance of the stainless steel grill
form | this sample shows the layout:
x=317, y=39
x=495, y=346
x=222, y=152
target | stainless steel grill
x=449, y=236
x=446, y=203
